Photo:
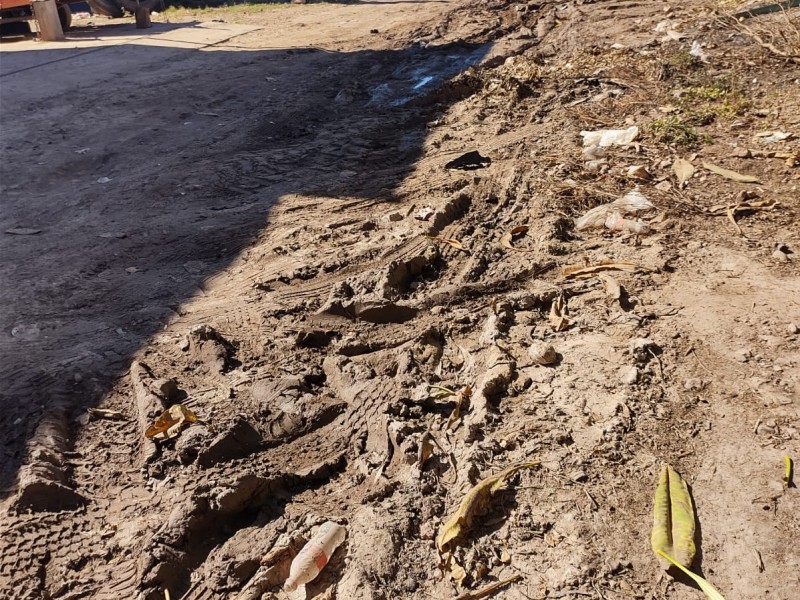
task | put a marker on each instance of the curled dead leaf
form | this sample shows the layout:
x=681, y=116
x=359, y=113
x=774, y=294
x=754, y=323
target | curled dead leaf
x=450, y=241
x=170, y=422
x=558, y=318
x=509, y=235
x=474, y=503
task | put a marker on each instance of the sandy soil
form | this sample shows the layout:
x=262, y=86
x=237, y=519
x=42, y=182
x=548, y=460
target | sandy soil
x=250, y=213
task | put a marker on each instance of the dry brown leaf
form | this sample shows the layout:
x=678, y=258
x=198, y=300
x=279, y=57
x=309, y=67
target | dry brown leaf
x=462, y=400
x=582, y=271
x=558, y=318
x=510, y=234
x=451, y=241
x=170, y=422
x=683, y=170
x=105, y=413
x=728, y=174
x=732, y=218
x=474, y=503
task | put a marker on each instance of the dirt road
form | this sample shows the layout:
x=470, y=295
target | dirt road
x=249, y=213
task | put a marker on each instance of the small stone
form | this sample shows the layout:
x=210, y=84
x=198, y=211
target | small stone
x=629, y=375
x=579, y=476
x=742, y=153
x=780, y=256
x=505, y=557
x=642, y=349
x=743, y=355
x=424, y=213
x=638, y=172
x=792, y=329
x=167, y=388
x=394, y=217
x=543, y=354
x=694, y=385
x=766, y=428
x=664, y=186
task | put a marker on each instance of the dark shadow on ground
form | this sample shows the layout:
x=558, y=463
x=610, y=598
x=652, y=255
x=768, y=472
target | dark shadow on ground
x=146, y=188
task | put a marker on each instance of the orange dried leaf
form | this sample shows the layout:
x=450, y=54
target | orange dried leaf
x=170, y=422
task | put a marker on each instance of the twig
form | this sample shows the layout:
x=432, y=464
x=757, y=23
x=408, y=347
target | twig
x=489, y=589
x=744, y=29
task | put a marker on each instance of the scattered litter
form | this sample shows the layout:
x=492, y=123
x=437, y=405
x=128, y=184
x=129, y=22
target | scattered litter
x=673, y=519
x=132, y=270
x=732, y=175
x=474, y=503
x=683, y=170
x=632, y=203
x=424, y=213
x=207, y=114
x=610, y=137
x=104, y=180
x=509, y=235
x=543, y=354
x=170, y=422
x=708, y=589
x=558, y=318
x=82, y=151
x=583, y=271
x=450, y=241
x=616, y=222
x=469, y=161
x=315, y=555
x=788, y=476
x=490, y=589
x=23, y=231
x=773, y=136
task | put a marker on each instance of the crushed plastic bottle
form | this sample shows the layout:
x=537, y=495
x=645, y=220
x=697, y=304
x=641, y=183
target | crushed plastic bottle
x=315, y=555
x=616, y=222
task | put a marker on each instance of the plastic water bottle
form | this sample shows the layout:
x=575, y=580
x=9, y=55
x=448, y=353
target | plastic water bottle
x=315, y=555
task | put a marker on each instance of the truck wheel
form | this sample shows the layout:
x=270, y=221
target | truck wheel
x=107, y=8
x=65, y=16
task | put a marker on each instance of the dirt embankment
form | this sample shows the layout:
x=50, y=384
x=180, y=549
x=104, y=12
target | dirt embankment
x=367, y=324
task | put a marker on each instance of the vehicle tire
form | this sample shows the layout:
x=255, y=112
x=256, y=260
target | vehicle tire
x=65, y=16
x=107, y=8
